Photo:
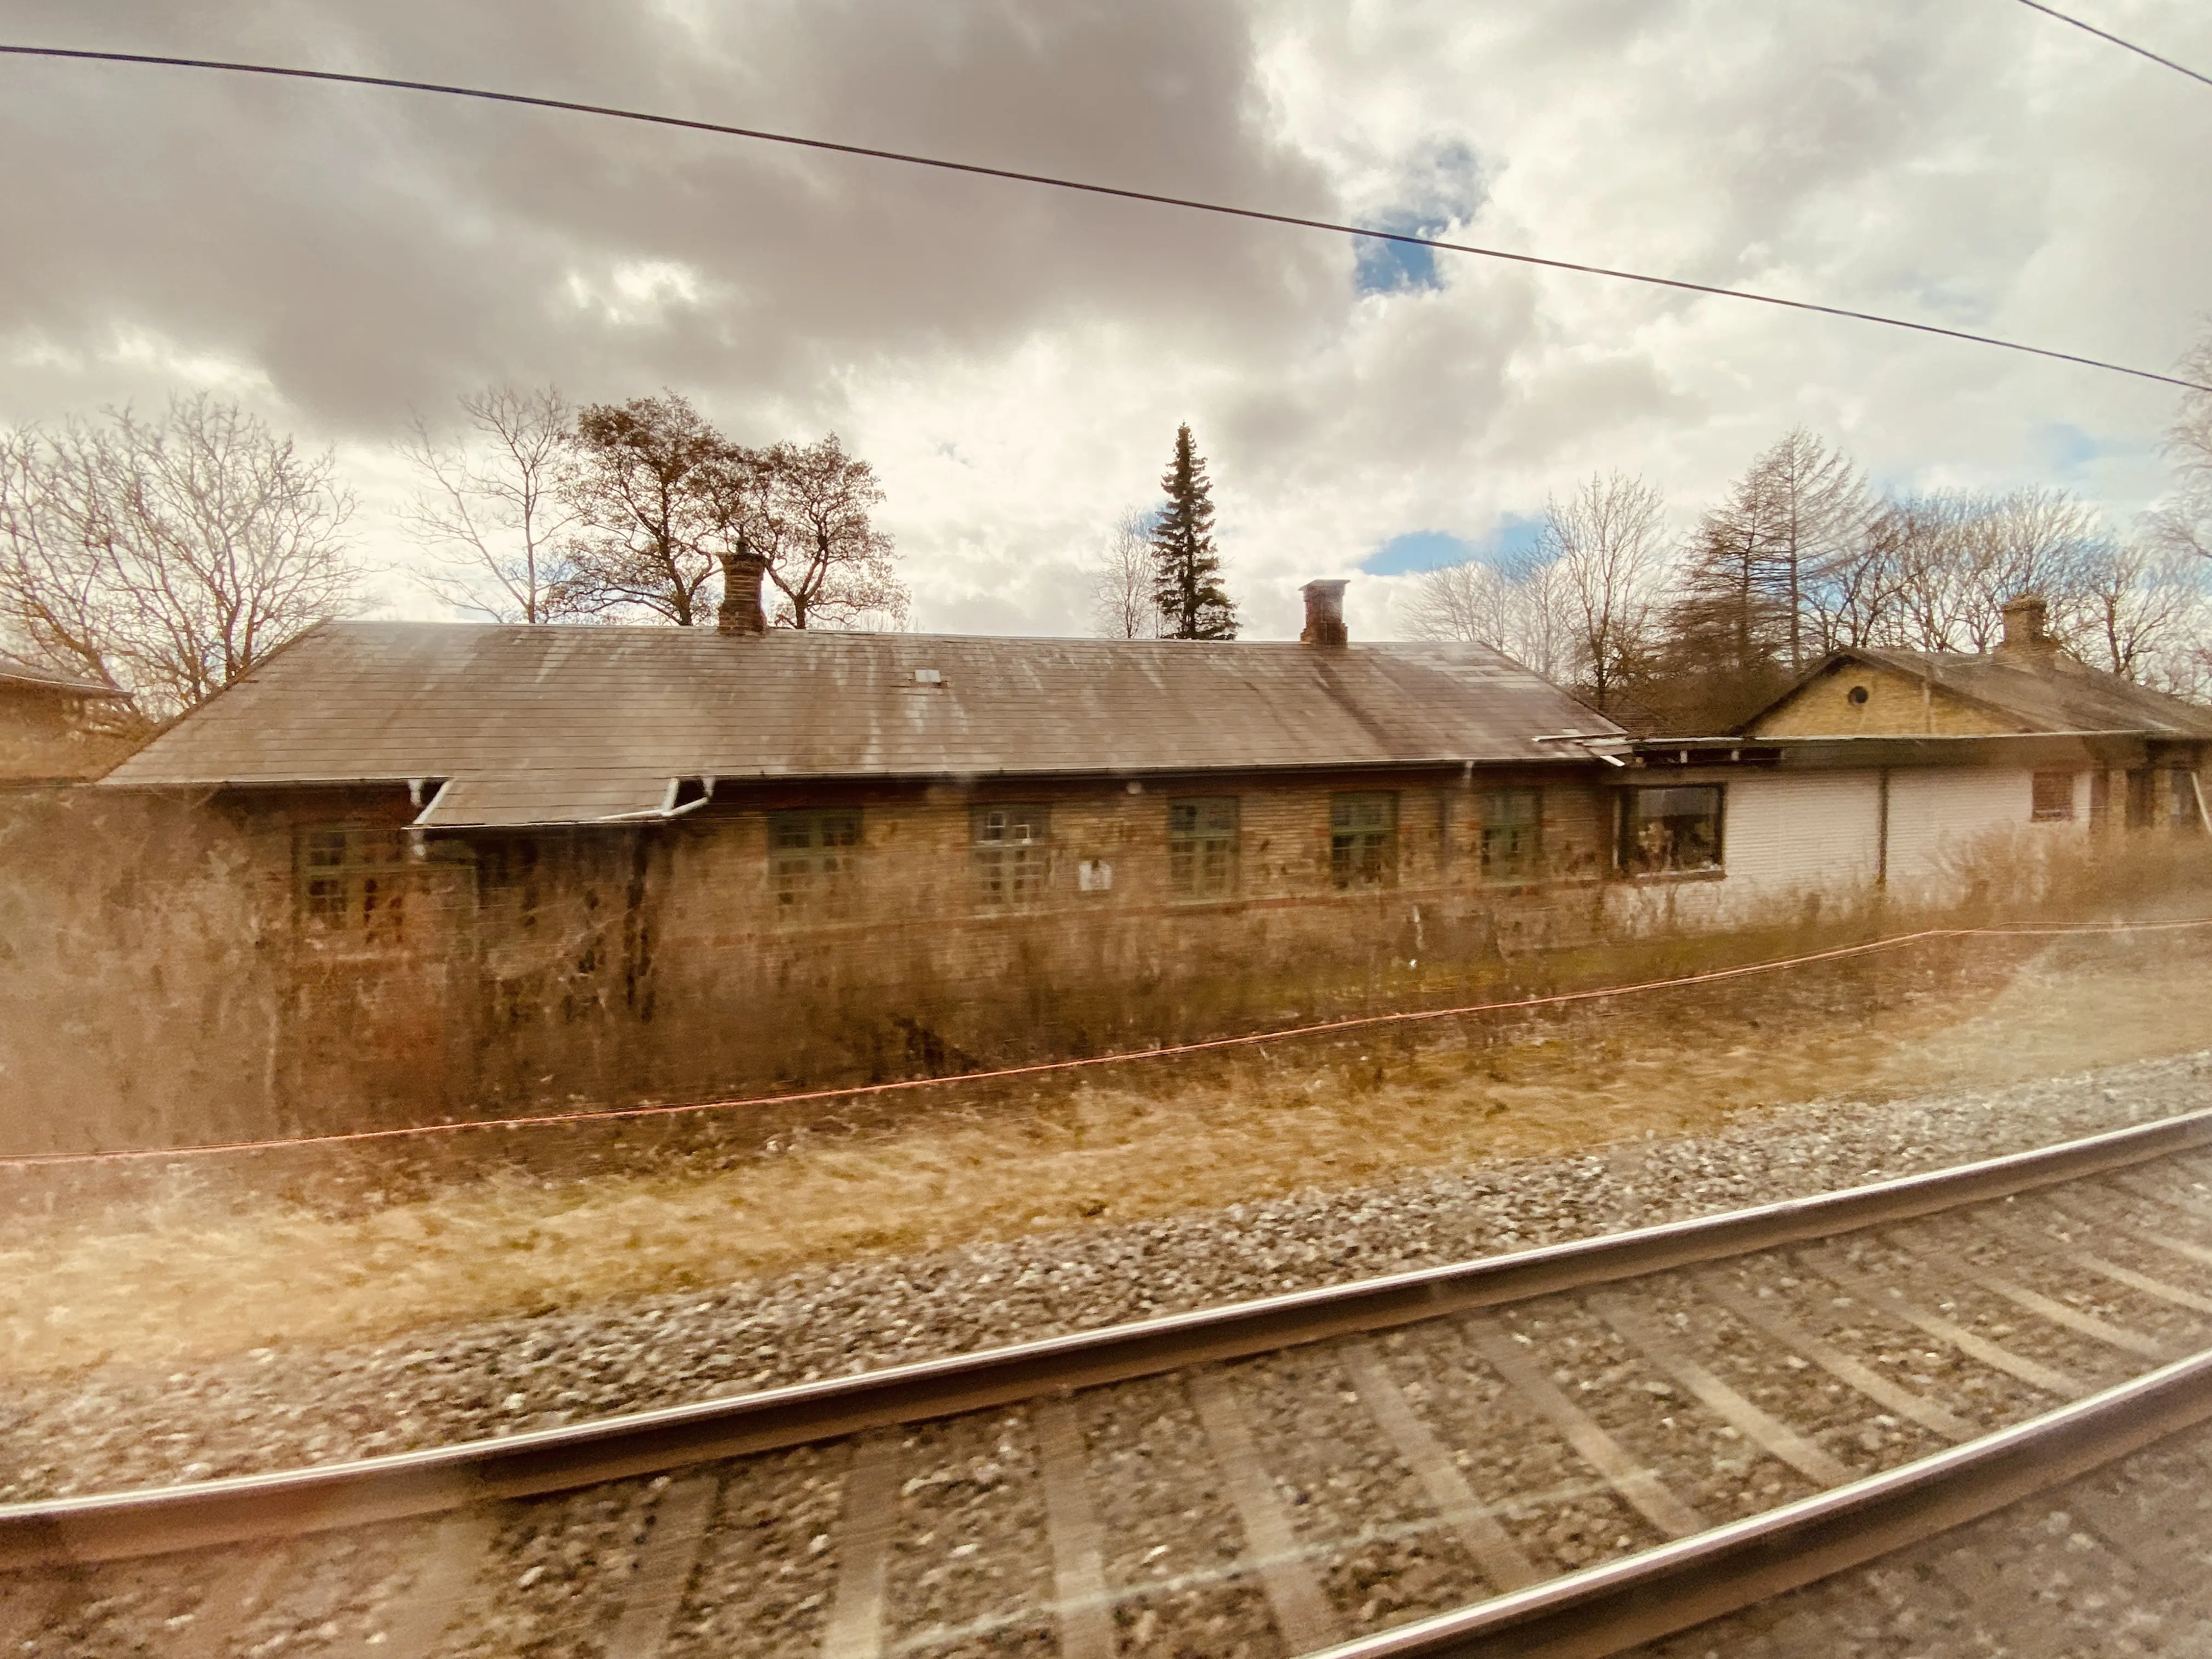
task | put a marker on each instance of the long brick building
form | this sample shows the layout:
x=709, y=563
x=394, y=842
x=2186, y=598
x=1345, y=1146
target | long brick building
x=405, y=871
x=515, y=863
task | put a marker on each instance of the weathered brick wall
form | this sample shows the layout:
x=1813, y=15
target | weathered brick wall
x=658, y=961
x=170, y=981
x=1897, y=705
x=145, y=1000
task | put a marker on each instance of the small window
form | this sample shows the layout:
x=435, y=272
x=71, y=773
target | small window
x=1674, y=829
x=2143, y=794
x=2053, y=799
x=1012, y=856
x=2182, y=813
x=353, y=880
x=813, y=862
x=1512, y=835
x=1202, y=847
x=1362, y=840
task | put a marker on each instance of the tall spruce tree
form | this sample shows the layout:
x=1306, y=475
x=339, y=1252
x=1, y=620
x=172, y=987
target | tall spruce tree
x=1185, y=569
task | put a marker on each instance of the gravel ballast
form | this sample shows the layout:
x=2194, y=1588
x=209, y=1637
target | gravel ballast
x=278, y=1408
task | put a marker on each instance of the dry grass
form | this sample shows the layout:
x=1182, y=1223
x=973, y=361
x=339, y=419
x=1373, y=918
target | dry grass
x=207, y=1272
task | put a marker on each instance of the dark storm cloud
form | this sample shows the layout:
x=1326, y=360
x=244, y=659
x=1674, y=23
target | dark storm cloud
x=369, y=249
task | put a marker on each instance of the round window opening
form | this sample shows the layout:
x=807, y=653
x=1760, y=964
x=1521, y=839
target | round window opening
x=1858, y=694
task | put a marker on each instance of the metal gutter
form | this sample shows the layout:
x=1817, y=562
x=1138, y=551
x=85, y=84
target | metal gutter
x=150, y=1521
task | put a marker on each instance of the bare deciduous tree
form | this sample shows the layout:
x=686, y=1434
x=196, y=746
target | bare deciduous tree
x=1521, y=606
x=1121, y=603
x=166, y=557
x=828, y=561
x=2184, y=525
x=2142, y=611
x=490, y=507
x=647, y=499
x=1603, y=544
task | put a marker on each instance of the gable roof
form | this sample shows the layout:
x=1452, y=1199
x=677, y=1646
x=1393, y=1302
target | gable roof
x=21, y=671
x=2059, y=695
x=538, y=725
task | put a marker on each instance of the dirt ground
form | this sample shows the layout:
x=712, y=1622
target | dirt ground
x=212, y=1258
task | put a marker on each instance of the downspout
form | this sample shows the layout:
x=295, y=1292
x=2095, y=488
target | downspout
x=1881, y=830
x=2196, y=788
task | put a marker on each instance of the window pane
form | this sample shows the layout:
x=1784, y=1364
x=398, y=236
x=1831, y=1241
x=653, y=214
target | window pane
x=1677, y=827
x=1202, y=847
x=1012, y=856
x=1362, y=840
x=1375, y=812
x=353, y=880
x=2053, y=798
x=813, y=861
x=1512, y=833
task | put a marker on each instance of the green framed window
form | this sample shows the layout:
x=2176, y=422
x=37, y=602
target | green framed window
x=1512, y=835
x=353, y=880
x=1669, y=830
x=1202, y=847
x=1362, y=840
x=1012, y=850
x=813, y=862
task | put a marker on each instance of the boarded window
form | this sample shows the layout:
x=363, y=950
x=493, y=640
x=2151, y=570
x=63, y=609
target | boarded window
x=1013, y=856
x=813, y=861
x=353, y=880
x=2142, y=797
x=1362, y=840
x=1202, y=847
x=1512, y=835
x=2184, y=812
x=1672, y=829
x=2053, y=801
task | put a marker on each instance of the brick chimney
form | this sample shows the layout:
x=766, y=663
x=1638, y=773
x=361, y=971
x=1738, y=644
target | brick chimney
x=2024, y=638
x=1325, y=615
x=740, y=612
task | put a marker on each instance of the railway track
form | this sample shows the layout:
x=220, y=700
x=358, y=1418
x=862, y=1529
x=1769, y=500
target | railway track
x=1566, y=1450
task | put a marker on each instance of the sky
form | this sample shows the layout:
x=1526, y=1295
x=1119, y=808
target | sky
x=1014, y=361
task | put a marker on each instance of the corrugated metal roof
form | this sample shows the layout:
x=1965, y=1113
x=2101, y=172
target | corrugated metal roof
x=581, y=709
x=2061, y=695
x=481, y=803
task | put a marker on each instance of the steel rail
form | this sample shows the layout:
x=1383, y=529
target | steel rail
x=118, y=1525
x=1643, y=1597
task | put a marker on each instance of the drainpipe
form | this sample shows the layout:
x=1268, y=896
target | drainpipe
x=1881, y=830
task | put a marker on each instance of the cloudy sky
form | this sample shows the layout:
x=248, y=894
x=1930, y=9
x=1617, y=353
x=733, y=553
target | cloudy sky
x=1015, y=360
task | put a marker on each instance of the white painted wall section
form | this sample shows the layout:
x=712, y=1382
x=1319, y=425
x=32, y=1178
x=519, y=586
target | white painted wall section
x=1937, y=813
x=1813, y=833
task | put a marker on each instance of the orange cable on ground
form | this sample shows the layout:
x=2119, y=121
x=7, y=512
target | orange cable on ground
x=854, y=1091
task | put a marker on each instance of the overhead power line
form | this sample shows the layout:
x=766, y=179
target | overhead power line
x=1225, y=209
x=2125, y=45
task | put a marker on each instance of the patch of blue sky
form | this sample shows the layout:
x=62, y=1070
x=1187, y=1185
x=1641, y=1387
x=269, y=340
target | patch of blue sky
x=1416, y=550
x=1383, y=267
x=1443, y=188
